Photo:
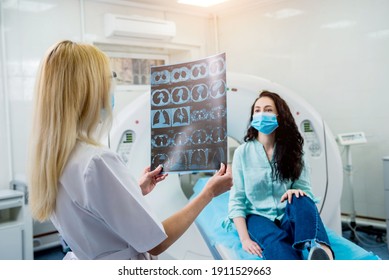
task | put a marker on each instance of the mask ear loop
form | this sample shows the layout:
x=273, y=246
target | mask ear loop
x=112, y=92
x=113, y=88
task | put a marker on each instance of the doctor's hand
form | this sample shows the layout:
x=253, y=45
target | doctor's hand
x=150, y=179
x=289, y=194
x=220, y=182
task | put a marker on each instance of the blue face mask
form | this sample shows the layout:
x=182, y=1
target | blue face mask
x=265, y=123
x=112, y=100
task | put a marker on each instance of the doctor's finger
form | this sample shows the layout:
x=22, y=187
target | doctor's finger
x=229, y=169
x=221, y=171
x=156, y=171
x=146, y=169
x=160, y=178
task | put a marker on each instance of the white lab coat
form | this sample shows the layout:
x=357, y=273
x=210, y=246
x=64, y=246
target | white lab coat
x=100, y=210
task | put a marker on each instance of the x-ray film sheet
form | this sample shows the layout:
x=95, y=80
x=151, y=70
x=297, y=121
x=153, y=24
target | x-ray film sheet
x=189, y=116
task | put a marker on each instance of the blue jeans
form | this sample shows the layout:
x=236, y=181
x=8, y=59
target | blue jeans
x=286, y=239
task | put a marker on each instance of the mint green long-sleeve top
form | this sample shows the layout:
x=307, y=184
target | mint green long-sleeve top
x=254, y=190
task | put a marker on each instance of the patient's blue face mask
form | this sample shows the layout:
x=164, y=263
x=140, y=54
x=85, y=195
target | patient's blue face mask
x=264, y=122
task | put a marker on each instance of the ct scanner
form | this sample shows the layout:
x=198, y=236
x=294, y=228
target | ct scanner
x=130, y=137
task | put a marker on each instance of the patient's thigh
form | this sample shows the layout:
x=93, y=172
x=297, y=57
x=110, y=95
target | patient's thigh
x=264, y=230
x=275, y=242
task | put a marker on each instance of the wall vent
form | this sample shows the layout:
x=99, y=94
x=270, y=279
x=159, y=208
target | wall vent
x=120, y=26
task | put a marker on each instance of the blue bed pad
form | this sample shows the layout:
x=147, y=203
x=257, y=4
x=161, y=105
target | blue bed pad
x=210, y=222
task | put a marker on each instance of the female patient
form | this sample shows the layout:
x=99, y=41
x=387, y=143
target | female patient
x=84, y=188
x=271, y=202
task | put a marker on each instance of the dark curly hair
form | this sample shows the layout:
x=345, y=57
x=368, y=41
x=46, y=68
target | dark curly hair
x=288, y=155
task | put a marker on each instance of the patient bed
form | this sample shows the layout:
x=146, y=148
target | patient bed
x=226, y=244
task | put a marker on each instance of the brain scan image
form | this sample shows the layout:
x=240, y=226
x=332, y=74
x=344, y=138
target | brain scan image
x=216, y=156
x=160, y=140
x=179, y=160
x=218, y=112
x=218, y=134
x=218, y=89
x=199, y=115
x=181, y=116
x=160, y=97
x=160, y=77
x=199, y=92
x=180, y=95
x=199, y=136
x=180, y=139
x=162, y=159
x=161, y=118
x=180, y=74
x=198, y=158
x=199, y=71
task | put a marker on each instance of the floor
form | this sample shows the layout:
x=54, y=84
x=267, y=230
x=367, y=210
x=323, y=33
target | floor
x=370, y=239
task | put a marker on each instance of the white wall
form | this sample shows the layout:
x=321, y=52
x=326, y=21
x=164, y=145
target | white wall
x=4, y=155
x=334, y=54
x=4, y=166
x=4, y=173
x=31, y=27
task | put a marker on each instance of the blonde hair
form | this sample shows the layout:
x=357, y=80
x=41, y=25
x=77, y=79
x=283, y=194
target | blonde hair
x=72, y=90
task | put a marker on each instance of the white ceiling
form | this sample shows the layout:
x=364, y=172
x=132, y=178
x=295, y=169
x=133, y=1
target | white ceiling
x=226, y=7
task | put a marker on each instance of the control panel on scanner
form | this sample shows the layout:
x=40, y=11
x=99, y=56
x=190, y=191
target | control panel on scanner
x=311, y=138
x=125, y=145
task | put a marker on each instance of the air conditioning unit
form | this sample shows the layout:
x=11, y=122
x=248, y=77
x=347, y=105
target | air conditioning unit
x=120, y=26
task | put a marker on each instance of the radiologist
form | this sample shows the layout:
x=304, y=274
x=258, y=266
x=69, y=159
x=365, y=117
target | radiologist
x=271, y=202
x=81, y=186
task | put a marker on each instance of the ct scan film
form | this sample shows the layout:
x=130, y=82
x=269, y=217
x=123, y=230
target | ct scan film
x=189, y=116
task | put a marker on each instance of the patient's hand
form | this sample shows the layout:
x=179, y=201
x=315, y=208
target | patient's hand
x=150, y=179
x=289, y=194
x=252, y=247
